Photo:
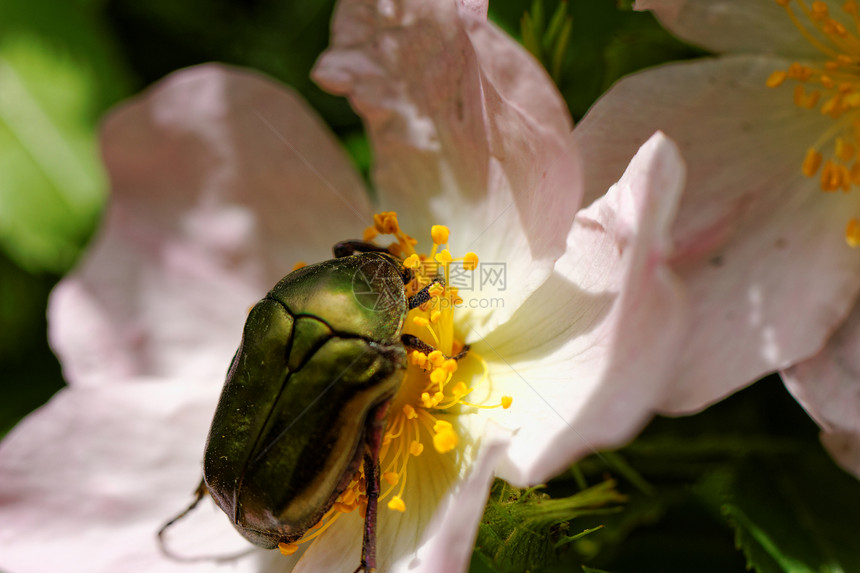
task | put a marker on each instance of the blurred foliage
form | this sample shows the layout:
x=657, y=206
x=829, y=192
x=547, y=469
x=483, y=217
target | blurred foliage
x=29, y=373
x=59, y=73
x=745, y=482
x=607, y=40
x=547, y=41
x=747, y=473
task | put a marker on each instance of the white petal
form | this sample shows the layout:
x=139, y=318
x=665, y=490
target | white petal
x=449, y=540
x=221, y=182
x=750, y=26
x=468, y=131
x=87, y=481
x=588, y=356
x=828, y=387
x=431, y=480
x=754, y=237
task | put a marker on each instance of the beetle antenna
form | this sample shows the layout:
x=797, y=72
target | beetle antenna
x=199, y=494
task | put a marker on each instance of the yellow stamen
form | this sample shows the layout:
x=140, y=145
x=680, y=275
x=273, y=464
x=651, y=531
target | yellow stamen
x=445, y=441
x=844, y=150
x=441, y=425
x=418, y=358
x=440, y=234
x=370, y=233
x=288, y=548
x=386, y=223
x=436, y=358
x=397, y=504
x=852, y=233
x=299, y=265
x=412, y=262
x=470, y=261
x=444, y=257
x=811, y=162
x=439, y=376
x=415, y=448
x=776, y=78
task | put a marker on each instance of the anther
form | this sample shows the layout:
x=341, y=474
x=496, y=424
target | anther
x=776, y=78
x=852, y=233
x=287, y=548
x=811, y=162
x=386, y=223
x=397, y=504
x=412, y=262
x=445, y=441
x=444, y=257
x=470, y=261
x=440, y=234
x=416, y=447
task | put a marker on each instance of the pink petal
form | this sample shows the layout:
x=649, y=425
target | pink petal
x=468, y=130
x=828, y=387
x=738, y=26
x=754, y=237
x=87, y=481
x=587, y=358
x=222, y=181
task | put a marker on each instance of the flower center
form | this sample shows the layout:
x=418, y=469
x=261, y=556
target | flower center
x=423, y=413
x=833, y=87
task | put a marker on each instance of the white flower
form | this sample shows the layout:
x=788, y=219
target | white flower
x=222, y=181
x=765, y=128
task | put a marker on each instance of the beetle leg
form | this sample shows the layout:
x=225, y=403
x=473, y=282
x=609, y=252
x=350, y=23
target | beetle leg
x=423, y=295
x=347, y=248
x=376, y=427
x=199, y=493
x=351, y=247
x=415, y=343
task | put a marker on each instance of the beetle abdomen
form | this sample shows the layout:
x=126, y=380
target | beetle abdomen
x=314, y=435
x=289, y=429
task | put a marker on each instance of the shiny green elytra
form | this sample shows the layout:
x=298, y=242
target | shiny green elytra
x=320, y=359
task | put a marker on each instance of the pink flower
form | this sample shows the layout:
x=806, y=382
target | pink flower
x=765, y=128
x=222, y=181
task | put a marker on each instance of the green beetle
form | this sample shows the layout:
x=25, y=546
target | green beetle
x=307, y=394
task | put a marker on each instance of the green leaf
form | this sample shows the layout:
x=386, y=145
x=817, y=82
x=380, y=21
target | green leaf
x=795, y=514
x=57, y=79
x=526, y=530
